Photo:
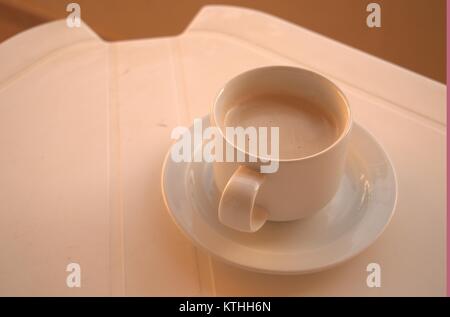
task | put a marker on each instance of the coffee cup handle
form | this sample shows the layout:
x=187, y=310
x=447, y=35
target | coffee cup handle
x=237, y=207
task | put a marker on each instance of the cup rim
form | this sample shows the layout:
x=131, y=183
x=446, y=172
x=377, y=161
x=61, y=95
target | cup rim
x=342, y=136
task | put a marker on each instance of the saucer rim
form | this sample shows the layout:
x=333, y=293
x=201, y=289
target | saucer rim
x=327, y=266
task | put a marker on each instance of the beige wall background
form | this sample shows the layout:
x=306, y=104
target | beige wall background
x=413, y=32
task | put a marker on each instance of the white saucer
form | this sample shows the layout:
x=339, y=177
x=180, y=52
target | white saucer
x=357, y=215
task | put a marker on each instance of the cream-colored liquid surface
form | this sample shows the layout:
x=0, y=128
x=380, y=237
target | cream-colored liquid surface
x=304, y=129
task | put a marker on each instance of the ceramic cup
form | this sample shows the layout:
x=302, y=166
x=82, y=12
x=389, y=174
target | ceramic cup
x=302, y=185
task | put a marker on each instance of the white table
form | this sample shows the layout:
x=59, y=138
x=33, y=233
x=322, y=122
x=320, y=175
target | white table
x=85, y=125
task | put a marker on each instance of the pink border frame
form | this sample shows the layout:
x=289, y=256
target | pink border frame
x=448, y=117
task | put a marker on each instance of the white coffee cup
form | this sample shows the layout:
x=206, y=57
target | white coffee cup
x=302, y=185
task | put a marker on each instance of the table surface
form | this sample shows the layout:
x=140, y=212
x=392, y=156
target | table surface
x=85, y=125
